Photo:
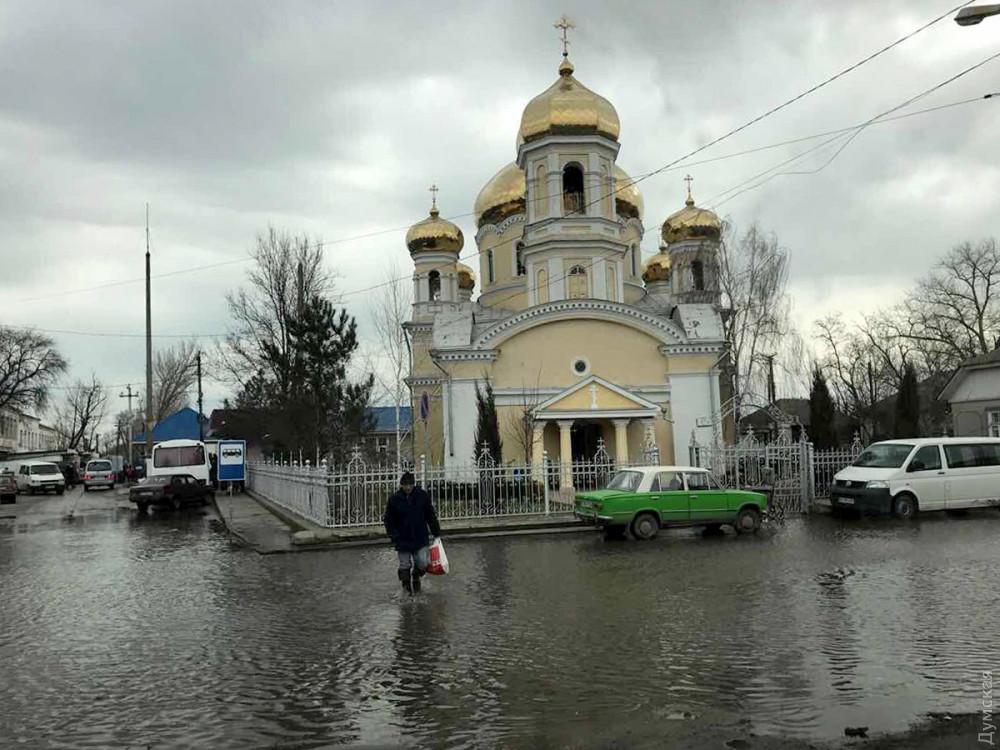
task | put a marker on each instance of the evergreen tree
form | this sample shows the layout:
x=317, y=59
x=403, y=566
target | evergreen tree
x=487, y=424
x=908, y=405
x=822, y=427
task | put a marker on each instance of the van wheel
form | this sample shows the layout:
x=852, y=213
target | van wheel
x=747, y=521
x=905, y=507
x=645, y=526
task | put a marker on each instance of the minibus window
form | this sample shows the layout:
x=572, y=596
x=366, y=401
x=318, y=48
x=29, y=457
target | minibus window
x=926, y=459
x=970, y=455
x=884, y=455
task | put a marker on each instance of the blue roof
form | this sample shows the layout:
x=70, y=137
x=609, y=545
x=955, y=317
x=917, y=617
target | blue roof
x=385, y=418
x=180, y=425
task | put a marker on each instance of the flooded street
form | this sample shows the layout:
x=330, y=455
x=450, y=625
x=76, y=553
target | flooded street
x=120, y=631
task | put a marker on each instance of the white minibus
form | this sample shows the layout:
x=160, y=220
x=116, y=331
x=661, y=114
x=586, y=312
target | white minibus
x=180, y=457
x=904, y=477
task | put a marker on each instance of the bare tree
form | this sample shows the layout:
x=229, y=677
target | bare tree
x=522, y=420
x=390, y=307
x=174, y=374
x=78, y=419
x=287, y=272
x=954, y=312
x=29, y=364
x=753, y=273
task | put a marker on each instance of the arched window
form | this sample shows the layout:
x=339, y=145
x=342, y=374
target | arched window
x=542, y=286
x=541, y=202
x=490, y=275
x=611, y=279
x=578, y=283
x=519, y=258
x=572, y=189
x=698, y=275
x=434, y=285
x=634, y=260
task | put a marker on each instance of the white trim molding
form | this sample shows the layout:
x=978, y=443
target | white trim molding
x=498, y=229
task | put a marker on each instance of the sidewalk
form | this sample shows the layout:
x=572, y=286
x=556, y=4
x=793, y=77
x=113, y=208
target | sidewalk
x=270, y=529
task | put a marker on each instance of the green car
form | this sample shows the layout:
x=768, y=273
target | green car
x=643, y=500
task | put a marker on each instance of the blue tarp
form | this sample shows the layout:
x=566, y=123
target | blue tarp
x=181, y=425
x=385, y=418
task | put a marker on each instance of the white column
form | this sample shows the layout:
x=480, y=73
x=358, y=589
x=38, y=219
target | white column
x=566, y=453
x=557, y=284
x=621, y=441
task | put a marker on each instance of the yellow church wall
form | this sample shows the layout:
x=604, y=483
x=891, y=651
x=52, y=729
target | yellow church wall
x=581, y=400
x=683, y=364
x=431, y=442
x=503, y=253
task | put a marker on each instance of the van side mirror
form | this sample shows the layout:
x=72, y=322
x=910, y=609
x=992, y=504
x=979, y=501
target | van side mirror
x=916, y=466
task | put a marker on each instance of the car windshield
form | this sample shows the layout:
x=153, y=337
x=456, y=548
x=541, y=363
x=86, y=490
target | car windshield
x=45, y=469
x=625, y=480
x=884, y=455
x=99, y=466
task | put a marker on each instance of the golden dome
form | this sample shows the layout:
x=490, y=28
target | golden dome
x=567, y=106
x=466, y=278
x=691, y=223
x=502, y=196
x=657, y=268
x=435, y=234
x=505, y=195
x=628, y=199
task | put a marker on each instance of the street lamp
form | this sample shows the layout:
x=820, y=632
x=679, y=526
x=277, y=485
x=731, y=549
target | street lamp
x=975, y=14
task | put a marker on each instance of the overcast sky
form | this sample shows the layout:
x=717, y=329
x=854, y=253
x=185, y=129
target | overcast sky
x=332, y=119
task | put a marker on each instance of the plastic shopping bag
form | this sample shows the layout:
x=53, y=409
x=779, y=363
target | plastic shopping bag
x=438, y=565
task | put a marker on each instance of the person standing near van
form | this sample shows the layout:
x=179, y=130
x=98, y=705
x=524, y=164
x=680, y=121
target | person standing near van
x=409, y=515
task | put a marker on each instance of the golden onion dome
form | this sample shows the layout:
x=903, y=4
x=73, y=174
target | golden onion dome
x=657, y=268
x=628, y=199
x=691, y=223
x=568, y=107
x=466, y=278
x=501, y=197
x=506, y=192
x=434, y=234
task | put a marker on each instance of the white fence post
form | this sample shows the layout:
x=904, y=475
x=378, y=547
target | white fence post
x=545, y=479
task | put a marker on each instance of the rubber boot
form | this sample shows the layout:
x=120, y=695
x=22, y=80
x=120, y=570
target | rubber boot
x=404, y=577
x=417, y=575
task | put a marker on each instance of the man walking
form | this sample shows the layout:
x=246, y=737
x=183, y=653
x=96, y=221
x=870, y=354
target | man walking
x=408, y=515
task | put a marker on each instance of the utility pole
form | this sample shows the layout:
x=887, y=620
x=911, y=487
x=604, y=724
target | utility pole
x=129, y=395
x=771, y=389
x=149, y=352
x=201, y=426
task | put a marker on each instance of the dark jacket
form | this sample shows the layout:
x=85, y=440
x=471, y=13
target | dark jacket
x=407, y=519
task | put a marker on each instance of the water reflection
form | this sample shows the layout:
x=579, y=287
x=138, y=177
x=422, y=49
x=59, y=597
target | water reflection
x=124, y=631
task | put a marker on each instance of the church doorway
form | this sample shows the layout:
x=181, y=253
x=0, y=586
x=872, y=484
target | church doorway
x=583, y=439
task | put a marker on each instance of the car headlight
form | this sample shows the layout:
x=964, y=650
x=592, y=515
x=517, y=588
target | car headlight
x=878, y=484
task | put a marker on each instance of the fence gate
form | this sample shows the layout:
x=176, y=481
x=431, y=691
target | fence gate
x=782, y=470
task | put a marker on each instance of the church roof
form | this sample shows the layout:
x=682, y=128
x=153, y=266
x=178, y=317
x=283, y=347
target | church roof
x=568, y=107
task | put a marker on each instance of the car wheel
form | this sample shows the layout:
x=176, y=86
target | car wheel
x=175, y=504
x=60, y=491
x=747, y=521
x=86, y=488
x=645, y=526
x=142, y=507
x=615, y=532
x=905, y=507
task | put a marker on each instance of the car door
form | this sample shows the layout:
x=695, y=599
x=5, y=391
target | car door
x=707, y=503
x=926, y=476
x=671, y=497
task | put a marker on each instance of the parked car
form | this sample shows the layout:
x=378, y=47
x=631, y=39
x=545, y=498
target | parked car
x=173, y=490
x=904, y=477
x=643, y=500
x=99, y=473
x=8, y=487
x=40, y=476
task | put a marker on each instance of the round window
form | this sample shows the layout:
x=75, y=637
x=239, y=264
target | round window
x=580, y=366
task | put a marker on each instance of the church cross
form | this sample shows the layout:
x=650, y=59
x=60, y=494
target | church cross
x=593, y=395
x=564, y=24
x=689, y=179
x=434, y=197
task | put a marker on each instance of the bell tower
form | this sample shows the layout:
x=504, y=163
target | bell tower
x=434, y=244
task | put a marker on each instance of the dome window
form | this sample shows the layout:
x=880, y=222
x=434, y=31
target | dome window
x=578, y=283
x=542, y=286
x=519, y=258
x=698, y=276
x=634, y=252
x=490, y=275
x=573, y=202
x=434, y=285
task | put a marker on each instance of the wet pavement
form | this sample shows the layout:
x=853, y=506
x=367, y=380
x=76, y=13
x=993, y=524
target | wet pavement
x=120, y=631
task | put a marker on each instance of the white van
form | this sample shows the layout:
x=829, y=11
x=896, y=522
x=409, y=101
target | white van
x=180, y=457
x=40, y=476
x=904, y=477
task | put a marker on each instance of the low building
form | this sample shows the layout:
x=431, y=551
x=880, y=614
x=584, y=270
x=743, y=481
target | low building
x=21, y=432
x=785, y=419
x=381, y=441
x=973, y=392
x=181, y=425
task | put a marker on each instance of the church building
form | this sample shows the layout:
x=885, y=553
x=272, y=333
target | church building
x=582, y=343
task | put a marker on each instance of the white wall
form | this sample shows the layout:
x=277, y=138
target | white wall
x=463, y=429
x=691, y=398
